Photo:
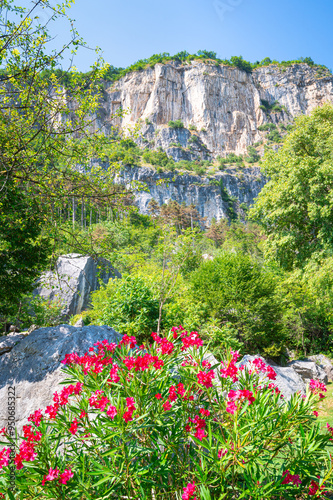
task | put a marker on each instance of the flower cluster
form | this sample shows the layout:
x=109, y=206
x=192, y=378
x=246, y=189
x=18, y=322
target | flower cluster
x=54, y=474
x=128, y=415
x=164, y=345
x=230, y=369
x=199, y=426
x=189, y=492
x=141, y=363
x=260, y=366
x=317, y=387
x=4, y=457
x=290, y=478
x=206, y=379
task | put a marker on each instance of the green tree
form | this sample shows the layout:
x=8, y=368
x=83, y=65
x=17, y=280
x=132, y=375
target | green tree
x=128, y=305
x=237, y=290
x=296, y=206
x=47, y=129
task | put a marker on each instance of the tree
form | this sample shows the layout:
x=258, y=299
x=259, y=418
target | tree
x=47, y=129
x=237, y=290
x=295, y=207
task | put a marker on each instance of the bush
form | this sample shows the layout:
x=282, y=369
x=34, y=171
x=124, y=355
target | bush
x=254, y=156
x=159, y=158
x=193, y=139
x=127, y=305
x=267, y=126
x=236, y=289
x=176, y=124
x=192, y=127
x=161, y=424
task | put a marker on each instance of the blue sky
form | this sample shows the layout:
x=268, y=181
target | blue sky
x=129, y=30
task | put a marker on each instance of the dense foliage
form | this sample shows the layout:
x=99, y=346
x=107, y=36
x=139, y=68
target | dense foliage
x=160, y=422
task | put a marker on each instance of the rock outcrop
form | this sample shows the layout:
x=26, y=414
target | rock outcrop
x=222, y=104
x=33, y=365
x=74, y=278
x=324, y=363
x=287, y=380
x=212, y=195
x=308, y=370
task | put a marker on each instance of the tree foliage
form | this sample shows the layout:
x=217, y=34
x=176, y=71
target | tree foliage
x=296, y=207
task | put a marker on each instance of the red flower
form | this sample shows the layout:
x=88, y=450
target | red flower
x=4, y=457
x=36, y=417
x=289, y=478
x=66, y=476
x=231, y=407
x=313, y=488
x=82, y=414
x=126, y=340
x=222, y=452
x=204, y=412
x=158, y=396
x=189, y=492
x=51, y=476
x=206, y=378
x=73, y=427
x=111, y=411
x=167, y=406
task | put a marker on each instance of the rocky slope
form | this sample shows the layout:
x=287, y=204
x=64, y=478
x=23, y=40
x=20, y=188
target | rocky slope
x=221, y=108
x=213, y=196
x=222, y=102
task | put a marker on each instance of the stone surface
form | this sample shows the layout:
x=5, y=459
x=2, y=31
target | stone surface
x=7, y=342
x=309, y=370
x=207, y=194
x=287, y=380
x=222, y=102
x=33, y=365
x=72, y=281
x=325, y=363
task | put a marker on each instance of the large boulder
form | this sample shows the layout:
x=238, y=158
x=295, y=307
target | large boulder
x=33, y=365
x=74, y=278
x=287, y=380
x=325, y=363
x=308, y=370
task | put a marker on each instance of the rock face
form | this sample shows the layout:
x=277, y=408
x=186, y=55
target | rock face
x=221, y=102
x=309, y=370
x=324, y=363
x=72, y=281
x=287, y=380
x=210, y=195
x=33, y=365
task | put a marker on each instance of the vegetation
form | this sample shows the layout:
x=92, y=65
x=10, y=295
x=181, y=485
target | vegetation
x=159, y=428
x=176, y=124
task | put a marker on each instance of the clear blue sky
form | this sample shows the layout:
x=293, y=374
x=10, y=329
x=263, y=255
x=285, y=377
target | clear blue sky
x=129, y=30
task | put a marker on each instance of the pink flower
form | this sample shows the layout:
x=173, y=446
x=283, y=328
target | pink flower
x=66, y=476
x=36, y=417
x=205, y=379
x=111, y=412
x=82, y=414
x=313, y=488
x=317, y=387
x=167, y=406
x=114, y=377
x=126, y=340
x=315, y=413
x=51, y=476
x=229, y=371
x=181, y=389
x=190, y=340
x=3, y=430
x=4, y=457
x=73, y=427
x=97, y=400
x=231, y=407
x=189, y=492
x=158, y=396
x=30, y=436
x=204, y=412
x=130, y=403
x=222, y=452
x=200, y=434
x=289, y=478
x=128, y=415
x=52, y=411
x=172, y=393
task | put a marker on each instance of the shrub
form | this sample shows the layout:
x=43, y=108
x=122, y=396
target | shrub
x=267, y=126
x=160, y=423
x=176, y=124
x=236, y=289
x=193, y=139
x=128, y=305
x=192, y=127
x=253, y=155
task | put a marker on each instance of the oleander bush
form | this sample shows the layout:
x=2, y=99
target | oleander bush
x=159, y=422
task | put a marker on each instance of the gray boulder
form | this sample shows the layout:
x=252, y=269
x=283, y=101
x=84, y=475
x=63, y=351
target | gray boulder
x=308, y=370
x=71, y=283
x=287, y=380
x=33, y=365
x=324, y=363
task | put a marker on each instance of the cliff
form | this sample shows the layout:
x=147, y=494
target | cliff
x=216, y=196
x=222, y=104
x=222, y=109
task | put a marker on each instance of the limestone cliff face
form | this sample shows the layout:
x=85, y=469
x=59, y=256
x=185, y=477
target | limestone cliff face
x=213, y=196
x=222, y=102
